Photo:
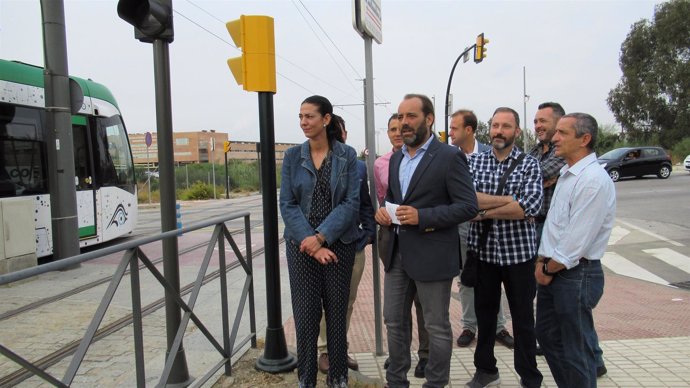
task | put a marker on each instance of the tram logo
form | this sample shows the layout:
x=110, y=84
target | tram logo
x=119, y=217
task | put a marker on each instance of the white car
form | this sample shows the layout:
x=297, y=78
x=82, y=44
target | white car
x=686, y=163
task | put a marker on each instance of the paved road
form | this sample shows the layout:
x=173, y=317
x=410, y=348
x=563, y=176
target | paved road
x=651, y=238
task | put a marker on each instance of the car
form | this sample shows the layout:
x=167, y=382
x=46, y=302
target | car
x=637, y=162
x=687, y=163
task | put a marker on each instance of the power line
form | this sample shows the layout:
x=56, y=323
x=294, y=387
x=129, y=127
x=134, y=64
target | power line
x=324, y=45
x=331, y=40
x=277, y=56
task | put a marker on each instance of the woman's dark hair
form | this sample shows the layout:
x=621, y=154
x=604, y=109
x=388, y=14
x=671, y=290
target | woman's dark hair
x=325, y=108
x=340, y=124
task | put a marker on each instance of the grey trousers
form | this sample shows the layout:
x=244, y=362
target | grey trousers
x=399, y=292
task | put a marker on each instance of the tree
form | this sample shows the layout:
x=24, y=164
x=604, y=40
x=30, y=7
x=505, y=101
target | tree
x=652, y=99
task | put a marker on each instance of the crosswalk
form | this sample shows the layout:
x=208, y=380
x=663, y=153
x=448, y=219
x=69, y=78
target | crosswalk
x=668, y=265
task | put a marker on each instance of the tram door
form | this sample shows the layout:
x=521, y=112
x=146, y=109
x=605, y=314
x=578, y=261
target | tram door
x=83, y=171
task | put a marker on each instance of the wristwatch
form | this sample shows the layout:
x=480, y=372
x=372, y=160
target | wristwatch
x=545, y=267
x=482, y=213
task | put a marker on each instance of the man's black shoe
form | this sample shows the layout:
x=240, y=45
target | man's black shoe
x=387, y=363
x=419, y=369
x=465, y=338
x=504, y=338
x=601, y=370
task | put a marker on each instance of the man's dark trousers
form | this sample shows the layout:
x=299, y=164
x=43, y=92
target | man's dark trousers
x=520, y=287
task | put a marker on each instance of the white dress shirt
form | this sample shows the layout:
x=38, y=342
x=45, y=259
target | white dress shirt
x=582, y=214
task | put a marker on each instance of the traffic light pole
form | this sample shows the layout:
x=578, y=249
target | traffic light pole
x=179, y=375
x=227, y=177
x=446, y=113
x=276, y=357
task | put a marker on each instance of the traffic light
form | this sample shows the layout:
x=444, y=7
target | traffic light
x=255, y=70
x=480, y=49
x=442, y=136
x=152, y=19
x=226, y=146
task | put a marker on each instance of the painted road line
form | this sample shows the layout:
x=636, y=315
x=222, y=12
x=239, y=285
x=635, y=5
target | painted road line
x=617, y=234
x=671, y=257
x=625, y=267
x=650, y=233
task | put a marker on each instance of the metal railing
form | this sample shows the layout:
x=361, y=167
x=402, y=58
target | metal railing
x=130, y=259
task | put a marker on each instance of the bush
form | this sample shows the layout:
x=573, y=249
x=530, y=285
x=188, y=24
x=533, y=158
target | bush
x=198, y=190
x=681, y=150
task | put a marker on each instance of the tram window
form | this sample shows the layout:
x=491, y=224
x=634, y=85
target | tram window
x=115, y=158
x=22, y=169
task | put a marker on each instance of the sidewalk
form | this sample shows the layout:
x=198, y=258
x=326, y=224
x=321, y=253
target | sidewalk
x=644, y=331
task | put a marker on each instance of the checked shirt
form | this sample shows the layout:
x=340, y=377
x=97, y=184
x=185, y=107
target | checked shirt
x=550, y=165
x=509, y=241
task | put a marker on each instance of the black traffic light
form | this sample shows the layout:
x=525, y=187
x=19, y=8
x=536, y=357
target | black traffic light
x=152, y=19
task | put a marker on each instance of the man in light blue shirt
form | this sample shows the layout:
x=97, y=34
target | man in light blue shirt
x=568, y=270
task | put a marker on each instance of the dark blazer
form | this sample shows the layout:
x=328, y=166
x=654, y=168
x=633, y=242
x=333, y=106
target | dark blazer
x=367, y=225
x=442, y=191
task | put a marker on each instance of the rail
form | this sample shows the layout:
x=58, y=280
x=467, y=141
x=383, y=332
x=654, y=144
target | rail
x=131, y=257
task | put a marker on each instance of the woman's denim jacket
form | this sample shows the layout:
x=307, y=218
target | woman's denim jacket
x=297, y=187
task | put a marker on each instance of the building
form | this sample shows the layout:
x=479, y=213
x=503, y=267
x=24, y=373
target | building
x=198, y=147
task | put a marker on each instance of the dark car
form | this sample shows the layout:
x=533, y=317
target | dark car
x=637, y=162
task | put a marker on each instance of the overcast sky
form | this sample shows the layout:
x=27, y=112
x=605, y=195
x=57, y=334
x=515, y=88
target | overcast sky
x=570, y=51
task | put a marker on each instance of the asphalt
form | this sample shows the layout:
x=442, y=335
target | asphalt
x=644, y=328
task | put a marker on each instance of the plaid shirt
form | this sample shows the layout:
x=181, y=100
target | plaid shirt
x=509, y=241
x=550, y=167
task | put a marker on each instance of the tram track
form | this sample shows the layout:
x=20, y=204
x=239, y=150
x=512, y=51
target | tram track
x=98, y=282
x=56, y=356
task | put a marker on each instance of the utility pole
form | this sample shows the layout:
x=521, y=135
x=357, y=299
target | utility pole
x=60, y=145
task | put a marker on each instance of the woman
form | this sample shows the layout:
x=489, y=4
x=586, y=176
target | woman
x=319, y=203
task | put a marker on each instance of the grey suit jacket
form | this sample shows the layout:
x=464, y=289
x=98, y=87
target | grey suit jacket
x=442, y=191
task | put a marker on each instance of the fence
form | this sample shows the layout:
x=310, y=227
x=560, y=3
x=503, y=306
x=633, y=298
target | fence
x=131, y=258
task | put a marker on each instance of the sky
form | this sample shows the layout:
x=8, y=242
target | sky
x=569, y=50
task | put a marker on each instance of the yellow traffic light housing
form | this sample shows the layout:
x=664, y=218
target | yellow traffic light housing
x=255, y=70
x=226, y=146
x=480, y=48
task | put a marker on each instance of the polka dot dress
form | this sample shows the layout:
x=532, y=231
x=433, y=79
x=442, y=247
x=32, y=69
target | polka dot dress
x=313, y=285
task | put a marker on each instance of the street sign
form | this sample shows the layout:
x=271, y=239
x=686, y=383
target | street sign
x=149, y=139
x=366, y=18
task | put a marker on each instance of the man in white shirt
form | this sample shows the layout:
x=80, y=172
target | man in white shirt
x=568, y=270
x=463, y=126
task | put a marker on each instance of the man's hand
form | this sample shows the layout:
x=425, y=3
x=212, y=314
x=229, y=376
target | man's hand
x=542, y=279
x=310, y=245
x=407, y=215
x=325, y=256
x=382, y=217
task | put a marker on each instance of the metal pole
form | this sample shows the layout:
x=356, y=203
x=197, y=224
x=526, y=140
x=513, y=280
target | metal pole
x=179, y=375
x=60, y=145
x=276, y=357
x=227, y=178
x=213, y=169
x=371, y=156
x=450, y=80
x=148, y=172
x=524, y=105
